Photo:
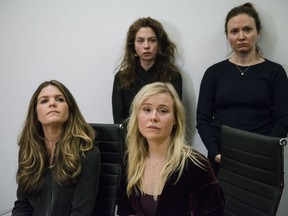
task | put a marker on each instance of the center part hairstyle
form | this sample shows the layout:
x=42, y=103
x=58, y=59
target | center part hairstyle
x=249, y=10
x=137, y=146
x=77, y=137
x=165, y=59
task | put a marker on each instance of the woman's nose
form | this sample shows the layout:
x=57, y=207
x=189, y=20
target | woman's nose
x=52, y=102
x=146, y=44
x=154, y=116
x=241, y=35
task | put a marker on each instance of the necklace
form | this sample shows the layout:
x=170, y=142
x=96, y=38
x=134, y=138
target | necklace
x=242, y=72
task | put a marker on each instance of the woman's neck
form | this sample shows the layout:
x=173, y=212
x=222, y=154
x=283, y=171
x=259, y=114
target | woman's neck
x=51, y=138
x=246, y=59
x=146, y=64
x=157, y=151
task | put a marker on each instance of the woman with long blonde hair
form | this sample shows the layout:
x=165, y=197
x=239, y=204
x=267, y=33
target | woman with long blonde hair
x=161, y=174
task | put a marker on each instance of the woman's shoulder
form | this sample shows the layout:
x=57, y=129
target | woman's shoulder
x=197, y=159
x=271, y=65
x=218, y=65
x=217, y=68
x=176, y=77
x=117, y=75
x=198, y=165
x=271, y=70
x=94, y=150
x=91, y=154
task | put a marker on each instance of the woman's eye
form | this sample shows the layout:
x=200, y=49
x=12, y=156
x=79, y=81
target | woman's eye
x=163, y=111
x=247, y=29
x=139, y=40
x=43, y=101
x=61, y=99
x=146, y=109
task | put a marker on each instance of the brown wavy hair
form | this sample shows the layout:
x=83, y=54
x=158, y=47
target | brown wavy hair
x=165, y=59
x=77, y=137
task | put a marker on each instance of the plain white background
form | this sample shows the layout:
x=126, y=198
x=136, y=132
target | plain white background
x=81, y=42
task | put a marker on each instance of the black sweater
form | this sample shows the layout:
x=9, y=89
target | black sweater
x=256, y=101
x=122, y=98
x=55, y=200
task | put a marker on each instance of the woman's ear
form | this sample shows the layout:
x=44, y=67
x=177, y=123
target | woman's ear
x=258, y=37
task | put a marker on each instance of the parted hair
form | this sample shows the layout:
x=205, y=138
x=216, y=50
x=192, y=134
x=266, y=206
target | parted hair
x=249, y=10
x=165, y=59
x=77, y=137
x=137, y=146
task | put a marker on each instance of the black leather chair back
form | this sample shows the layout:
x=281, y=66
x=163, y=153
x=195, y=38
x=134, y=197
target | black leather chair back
x=251, y=172
x=109, y=140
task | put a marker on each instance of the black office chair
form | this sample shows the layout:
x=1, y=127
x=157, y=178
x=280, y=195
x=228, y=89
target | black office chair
x=109, y=140
x=251, y=172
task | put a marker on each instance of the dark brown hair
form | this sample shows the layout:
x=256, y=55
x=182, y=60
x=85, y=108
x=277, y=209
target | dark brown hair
x=249, y=10
x=165, y=59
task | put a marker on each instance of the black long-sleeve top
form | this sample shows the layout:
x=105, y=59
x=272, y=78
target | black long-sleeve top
x=55, y=200
x=122, y=98
x=256, y=101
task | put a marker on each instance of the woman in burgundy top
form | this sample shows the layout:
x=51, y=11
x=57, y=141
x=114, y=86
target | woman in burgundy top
x=161, y=174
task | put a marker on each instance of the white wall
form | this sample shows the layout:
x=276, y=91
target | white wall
x=80, y=43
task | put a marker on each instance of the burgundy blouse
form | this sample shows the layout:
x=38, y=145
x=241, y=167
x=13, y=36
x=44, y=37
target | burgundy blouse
x=196, y=193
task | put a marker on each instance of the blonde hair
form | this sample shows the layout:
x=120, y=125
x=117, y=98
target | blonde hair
x=137, y=146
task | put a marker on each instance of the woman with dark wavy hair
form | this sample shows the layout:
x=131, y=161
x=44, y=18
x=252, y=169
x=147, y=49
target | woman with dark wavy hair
x=149, y=57
x=59, y=166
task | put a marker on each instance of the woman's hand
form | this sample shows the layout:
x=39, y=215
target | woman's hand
x=218, y=158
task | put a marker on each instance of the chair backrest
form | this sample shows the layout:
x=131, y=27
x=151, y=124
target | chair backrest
x=251, y=172
x=109, y=141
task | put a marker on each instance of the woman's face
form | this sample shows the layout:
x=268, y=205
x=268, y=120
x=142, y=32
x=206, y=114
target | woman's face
x=242, y=33
x=52, y=108
x=146, y=45
x=156, y=118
